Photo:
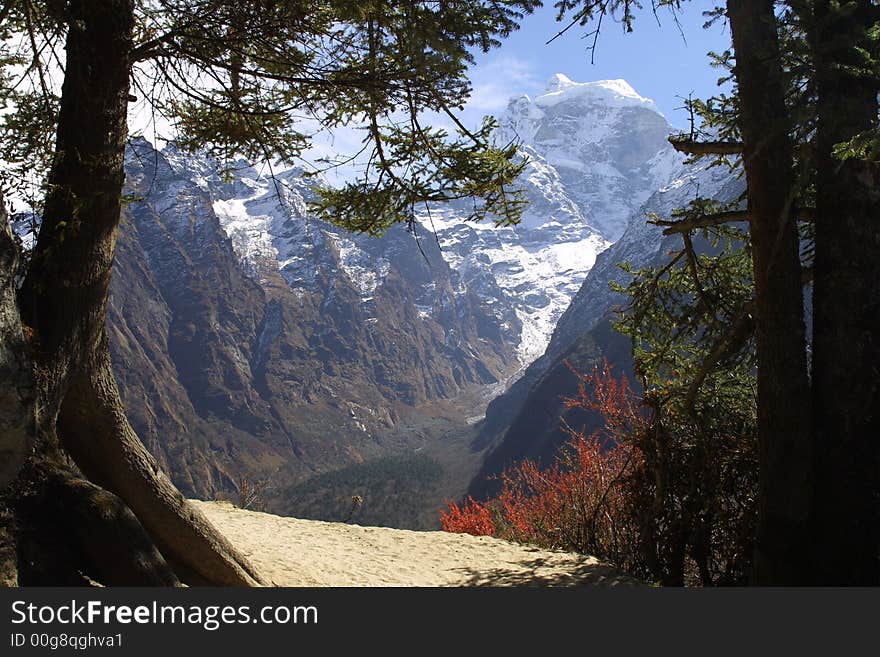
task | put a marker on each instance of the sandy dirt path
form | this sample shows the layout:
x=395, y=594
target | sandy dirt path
x=294, y=552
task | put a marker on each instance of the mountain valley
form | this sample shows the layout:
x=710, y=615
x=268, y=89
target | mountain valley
x=253, y=342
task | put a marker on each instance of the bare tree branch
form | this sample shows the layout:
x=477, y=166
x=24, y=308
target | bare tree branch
x=719, y=218
x=726, y=344
x=703, y=221
x=694, y=270
x=693, y=147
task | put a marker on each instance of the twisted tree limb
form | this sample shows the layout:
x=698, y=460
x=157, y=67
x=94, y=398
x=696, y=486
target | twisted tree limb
x=689, y=146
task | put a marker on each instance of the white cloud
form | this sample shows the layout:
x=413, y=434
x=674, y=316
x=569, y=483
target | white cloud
x=339, y=144
x=495, y=80
x=498, y=79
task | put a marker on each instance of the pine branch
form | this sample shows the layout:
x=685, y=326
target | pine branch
x=702, y=221
x=694, y=270
x=739, y=330
x=4, y=11
x=717, y=219
x=690, y=146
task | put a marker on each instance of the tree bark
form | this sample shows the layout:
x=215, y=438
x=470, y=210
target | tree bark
x=783, y=393
x=95, y=431
x=72, y=532
x=17, y=401
x=846, y=303
x=64, y=299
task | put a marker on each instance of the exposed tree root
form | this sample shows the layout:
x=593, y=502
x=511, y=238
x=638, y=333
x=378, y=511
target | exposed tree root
x=94, y=430
x=8, y=551
x=57, y=529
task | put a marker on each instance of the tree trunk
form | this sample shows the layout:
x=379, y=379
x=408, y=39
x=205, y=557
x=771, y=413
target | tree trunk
x=71, y=532
x=17, y=401
x=846, y=303
x=783, y=393
x=64, y=299
x=95, y=431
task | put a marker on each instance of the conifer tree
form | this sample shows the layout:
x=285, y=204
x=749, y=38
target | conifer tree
x=804, y=123
x=232, y=75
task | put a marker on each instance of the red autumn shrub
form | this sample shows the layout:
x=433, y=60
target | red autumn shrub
x=664, y=495
x=470, y=518
x=580, y=503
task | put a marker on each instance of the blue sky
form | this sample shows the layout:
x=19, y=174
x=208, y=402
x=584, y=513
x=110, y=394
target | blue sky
x=661, y=62
x=657, y=61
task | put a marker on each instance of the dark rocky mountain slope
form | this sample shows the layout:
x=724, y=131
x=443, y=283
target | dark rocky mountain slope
x=253, y=341
x=233, y=366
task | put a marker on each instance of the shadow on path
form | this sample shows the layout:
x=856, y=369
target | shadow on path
x=542, y=572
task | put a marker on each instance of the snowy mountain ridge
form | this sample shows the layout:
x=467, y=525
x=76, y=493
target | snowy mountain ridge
x=613, y=93
x=595, y=152
x=251, y=338
x=607, y=143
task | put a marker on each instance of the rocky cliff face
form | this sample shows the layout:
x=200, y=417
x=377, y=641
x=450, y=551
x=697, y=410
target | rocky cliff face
x=250, y=338
x=524, y=422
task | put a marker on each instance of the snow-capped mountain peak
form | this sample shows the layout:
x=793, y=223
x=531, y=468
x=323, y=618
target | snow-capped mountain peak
x=602, y=138
x=595, y=151
x=557, y=82
x=612, y=93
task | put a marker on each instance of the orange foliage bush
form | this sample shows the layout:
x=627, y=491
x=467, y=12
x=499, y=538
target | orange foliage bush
x=580, y=503
x=664, y=496
x=470, y=518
